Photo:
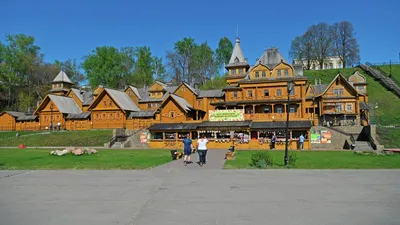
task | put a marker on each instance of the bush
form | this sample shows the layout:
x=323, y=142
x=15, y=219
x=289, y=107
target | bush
x=292, y=159
x=261, y=160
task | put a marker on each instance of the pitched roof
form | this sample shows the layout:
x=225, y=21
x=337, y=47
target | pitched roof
x=237, y=56
x=62, y=77
x=27, y=118
x=182, y=102
x=87, y=98
x=122, y=100
x=83, y=115
x=364, y=106
x=15, y=114
x=140, y=114
x=211, y=93
x=65, y=104
x=136, y=91
x=188, y=86
x=78, y=94
x=20, y=116
x=161, y=83
x=319, y=88
x=272, y=57
x=171, y=89
x=344, y=81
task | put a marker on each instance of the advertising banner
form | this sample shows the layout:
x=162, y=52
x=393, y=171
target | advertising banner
x=143, y=137
x=226, y=115
x=315, y=138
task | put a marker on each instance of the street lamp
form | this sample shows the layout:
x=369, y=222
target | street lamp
x=290, y=87
x=51, y=117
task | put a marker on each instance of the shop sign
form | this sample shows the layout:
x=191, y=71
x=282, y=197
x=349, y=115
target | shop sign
x=226, y=115
x=144, y=137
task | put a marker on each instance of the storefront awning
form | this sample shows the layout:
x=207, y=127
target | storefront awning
x=217, y=125
x=364, y=106
x=173, y=127
x=281, y=124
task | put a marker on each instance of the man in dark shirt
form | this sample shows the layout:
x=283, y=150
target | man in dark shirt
x=187, y=149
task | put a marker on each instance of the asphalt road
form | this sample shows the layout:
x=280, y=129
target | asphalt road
x=193, y=195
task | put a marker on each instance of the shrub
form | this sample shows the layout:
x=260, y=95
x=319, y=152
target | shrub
x=261, y=160
x=292, y=159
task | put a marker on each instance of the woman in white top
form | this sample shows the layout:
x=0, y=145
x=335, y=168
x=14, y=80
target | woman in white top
x=202, y=150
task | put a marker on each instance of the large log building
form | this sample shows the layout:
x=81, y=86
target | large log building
x=251, y=107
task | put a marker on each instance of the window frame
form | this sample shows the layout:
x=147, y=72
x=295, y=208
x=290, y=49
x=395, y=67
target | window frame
x=266, y=93
x=250, y=93
x=279, y=73
x=278, y=92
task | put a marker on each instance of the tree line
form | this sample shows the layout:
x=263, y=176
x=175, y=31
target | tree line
x=321, y=41
x=25, y=77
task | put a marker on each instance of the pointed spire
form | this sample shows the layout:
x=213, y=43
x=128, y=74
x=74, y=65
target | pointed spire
x=237, y=53
x=62, y=77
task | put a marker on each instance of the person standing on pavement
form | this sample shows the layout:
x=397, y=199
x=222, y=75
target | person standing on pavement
x=301, y=140
x=187, y=149
x=202, y=150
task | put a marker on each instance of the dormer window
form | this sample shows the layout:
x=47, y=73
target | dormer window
x=279, y=73
x=264, y=74
x=233, y=71
x=286, y=72
x=241, y=71
x=257, y=74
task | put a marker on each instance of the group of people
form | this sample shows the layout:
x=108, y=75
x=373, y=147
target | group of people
x=55, y=126
x=201, y=150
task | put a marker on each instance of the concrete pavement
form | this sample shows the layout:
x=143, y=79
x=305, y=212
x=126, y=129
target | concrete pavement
x=184, y=195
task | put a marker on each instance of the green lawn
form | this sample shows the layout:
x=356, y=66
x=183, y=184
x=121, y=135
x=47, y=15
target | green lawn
x=322, y=160
x=11, y=134
x=395, y=70
x=35, y=159
x=59, y=138
x=388, y=103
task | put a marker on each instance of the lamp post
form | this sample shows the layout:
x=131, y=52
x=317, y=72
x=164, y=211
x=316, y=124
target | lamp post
x=290, y=87
x=51, y=117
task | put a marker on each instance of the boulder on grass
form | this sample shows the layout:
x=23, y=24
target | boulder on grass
x=59, y=152
x=77, y=151
x=69, y=149
x=90, y=151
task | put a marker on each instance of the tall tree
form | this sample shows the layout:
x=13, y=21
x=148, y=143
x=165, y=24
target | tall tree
x=345, y=44
x=302, y=49
x=205, y=63
x=143, y=73
x=158, y=69
x=181, y=61
x=224, y=51
x=19, y=57
x=322, y=41
x=109, y=66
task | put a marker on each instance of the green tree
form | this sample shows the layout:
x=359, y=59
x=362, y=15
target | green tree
x=205, y=63
x=158, y=69
x=19, y=57
x=143, y=73
x=181, y=61
x=224, y=51
x=302, y=49
x=109, y=66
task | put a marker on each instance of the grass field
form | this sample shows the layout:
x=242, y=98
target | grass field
x=321, y=160
x=62, y=138
x=35, y=159
x=388, y=103
x=395, y=70
x=11, y=134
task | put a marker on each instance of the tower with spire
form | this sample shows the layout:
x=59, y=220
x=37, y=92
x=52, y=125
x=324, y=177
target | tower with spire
x=238, y=66
x=61, y=84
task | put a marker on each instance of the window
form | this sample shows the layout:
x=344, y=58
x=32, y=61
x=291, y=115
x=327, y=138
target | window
x=292, y=109
x=361, y=88
x=266, y=93
x=97, y=116
x=279, y=92
x=58, y=117
x=250, y=93
x=266, y=109
x=148, y=105
x=257, y=74
x=338, y=91
x=349, y=107
x=233, y=71
x=45, y=118
x=338, y=107
x=235, y=94
x=104, y=116
x=172, y=114
x=183, y=89
x=199, y=102
x=110, y=103
x=279, y=73
x=286, y=72
x=105, y=103
x=264, y=74
x=241, y=71
x=310, y=92
x=111, y=116
x=292, y=92
x=279, y=110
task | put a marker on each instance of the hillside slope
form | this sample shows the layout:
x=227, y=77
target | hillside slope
x=388, y=104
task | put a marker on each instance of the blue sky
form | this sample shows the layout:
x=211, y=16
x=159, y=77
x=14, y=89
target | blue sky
x=71, y=29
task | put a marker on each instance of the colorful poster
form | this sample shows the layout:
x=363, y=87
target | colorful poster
x=326, y=137
x=143, y=137
x=226, y=115
x=315, y=138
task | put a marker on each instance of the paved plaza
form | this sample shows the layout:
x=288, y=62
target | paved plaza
x=175, y=194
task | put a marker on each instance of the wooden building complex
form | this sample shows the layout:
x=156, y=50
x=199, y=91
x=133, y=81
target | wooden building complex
x=247, y=112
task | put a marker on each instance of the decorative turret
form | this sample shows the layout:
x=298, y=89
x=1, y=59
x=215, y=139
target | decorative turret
x=61, y=84
x=238, y=65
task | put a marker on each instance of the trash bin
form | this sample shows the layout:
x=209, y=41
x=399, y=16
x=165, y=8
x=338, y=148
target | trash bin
x=232, y=148
x=173, y=154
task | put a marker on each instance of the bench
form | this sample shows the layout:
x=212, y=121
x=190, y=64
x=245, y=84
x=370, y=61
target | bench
x=392, y=150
